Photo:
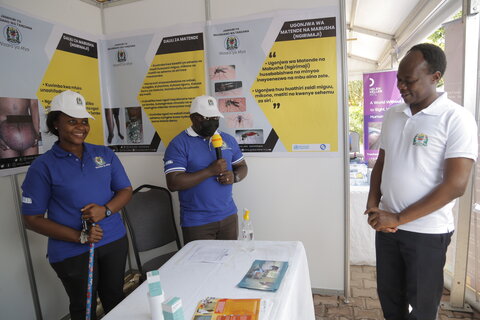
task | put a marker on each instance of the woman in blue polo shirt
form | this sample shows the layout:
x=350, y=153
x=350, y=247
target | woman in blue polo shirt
x=76, y=181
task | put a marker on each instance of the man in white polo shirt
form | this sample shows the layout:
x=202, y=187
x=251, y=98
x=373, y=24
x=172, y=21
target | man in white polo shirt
x=427, y=149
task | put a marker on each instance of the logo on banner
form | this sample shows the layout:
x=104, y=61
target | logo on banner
x=231, y=43
x=121, y=55
x=311, y=147
x=12, y=34
x=420, y=139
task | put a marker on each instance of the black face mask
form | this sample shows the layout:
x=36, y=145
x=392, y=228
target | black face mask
x=208, y=127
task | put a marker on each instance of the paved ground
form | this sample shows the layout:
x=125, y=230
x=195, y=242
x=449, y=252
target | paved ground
x=364, y=301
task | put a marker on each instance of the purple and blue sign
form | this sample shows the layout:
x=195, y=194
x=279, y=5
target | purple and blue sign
x=379, y=93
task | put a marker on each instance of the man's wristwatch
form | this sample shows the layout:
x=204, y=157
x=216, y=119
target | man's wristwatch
x=236, y=177
x=83, y=236
x=108, y=212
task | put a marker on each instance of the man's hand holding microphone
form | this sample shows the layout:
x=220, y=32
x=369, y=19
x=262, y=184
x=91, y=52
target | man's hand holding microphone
x=219, y=166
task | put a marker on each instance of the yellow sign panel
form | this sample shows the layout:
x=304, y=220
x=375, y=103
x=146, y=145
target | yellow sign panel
x=297, y=90
x=79, y=73
x=172, y=82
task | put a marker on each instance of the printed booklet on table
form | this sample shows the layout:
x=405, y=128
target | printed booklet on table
x=227, y=309
x=264, y=275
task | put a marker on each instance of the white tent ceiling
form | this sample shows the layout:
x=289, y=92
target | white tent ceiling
x=379, y=32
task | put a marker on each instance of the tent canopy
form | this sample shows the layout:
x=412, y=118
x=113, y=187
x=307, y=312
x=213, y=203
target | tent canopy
x=380, y=32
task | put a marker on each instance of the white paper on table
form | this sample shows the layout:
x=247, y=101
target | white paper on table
x=265, y=308
x=210, y=255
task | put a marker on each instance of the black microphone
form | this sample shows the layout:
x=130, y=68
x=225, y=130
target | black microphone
x=217, y=143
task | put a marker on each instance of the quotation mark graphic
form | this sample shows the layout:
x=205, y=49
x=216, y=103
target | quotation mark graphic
x=276, y=105
x=272, y=55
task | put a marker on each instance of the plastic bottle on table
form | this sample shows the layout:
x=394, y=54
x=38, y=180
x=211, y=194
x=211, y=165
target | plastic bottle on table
x=247, y=230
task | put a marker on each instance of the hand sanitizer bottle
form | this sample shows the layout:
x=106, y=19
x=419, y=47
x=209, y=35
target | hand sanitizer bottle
x=247, y=230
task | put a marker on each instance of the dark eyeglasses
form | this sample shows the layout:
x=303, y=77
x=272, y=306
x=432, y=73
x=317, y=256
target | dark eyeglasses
x=207, y=118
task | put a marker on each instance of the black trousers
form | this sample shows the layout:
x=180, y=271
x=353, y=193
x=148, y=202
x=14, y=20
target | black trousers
x=410, y=272
x=108, y=278
x=226, y=229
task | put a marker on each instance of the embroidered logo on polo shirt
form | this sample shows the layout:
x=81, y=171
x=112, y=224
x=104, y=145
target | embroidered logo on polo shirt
x=27, y=200
x=100, y=163
x=168, y=162
x=420, y=139
x=225, y=146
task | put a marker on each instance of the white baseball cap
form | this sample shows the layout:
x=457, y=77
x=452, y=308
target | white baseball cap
x=71, y=103
x=206, y=106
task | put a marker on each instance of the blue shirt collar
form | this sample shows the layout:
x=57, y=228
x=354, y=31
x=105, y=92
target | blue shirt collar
x=60, y=153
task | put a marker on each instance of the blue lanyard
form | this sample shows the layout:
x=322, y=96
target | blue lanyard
x=90, y=280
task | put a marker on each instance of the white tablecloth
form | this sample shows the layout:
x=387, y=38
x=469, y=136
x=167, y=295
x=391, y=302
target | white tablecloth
x=362, y=236
x=193, y=281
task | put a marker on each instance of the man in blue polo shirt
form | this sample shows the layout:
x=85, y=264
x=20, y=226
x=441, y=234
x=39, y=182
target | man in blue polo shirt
x=207, y=209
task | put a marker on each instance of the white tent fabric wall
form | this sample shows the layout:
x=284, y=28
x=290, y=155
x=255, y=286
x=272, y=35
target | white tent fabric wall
x=362, y=236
